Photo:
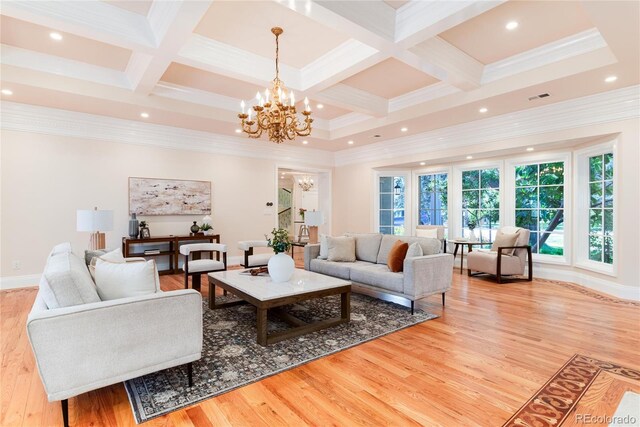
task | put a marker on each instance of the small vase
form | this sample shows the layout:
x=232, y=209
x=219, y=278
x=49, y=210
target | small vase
x=472, y=235
x=194, y=227
x=209, y=232
x=133, y=226
x=281, y=267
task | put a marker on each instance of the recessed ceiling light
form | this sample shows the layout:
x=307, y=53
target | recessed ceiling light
x=238, y=130
x=403, y=129
x=305, y=142
x=55, y=36
x=483, y=110
x=7, y=92
x=319, y=106
x=611, y=79
x=512, y=25
x=530, y=149
x=144, y=115
x=469, y=157
x=422, y=163
x=350, y=142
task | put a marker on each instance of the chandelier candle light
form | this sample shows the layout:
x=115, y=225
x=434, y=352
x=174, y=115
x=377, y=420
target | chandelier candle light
x=305, y=183
x=275, y=112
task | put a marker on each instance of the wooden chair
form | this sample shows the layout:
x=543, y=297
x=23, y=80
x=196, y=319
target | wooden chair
x=198, y=266
x=499, y=263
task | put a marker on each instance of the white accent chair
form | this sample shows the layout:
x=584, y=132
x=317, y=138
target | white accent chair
x=439, y=234
x=505, y=261
x=251, y=259
x=197, y=266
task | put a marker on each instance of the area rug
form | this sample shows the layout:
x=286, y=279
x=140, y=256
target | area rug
x=585, y=391
x=231, y=358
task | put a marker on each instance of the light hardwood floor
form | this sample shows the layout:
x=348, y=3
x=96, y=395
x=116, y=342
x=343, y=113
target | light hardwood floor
x=491, y=349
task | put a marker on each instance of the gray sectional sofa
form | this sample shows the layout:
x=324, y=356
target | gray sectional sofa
x=421, y=276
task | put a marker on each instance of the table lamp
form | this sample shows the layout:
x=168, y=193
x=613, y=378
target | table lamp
x=312, y=220
x=95, y=221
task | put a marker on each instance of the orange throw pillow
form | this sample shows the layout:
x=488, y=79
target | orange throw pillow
x=395, y=262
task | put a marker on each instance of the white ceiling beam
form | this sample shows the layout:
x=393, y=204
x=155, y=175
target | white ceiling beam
x=354, y=99
x=172, y=24
x=418, y=21
x=220, y=58
x=462, y=71
x=93, y=20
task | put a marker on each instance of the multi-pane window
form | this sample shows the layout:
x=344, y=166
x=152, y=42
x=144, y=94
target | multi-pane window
x=432, y=199
x=392, y=205
x=539, y=201
x=481, y=203
x=601, y=208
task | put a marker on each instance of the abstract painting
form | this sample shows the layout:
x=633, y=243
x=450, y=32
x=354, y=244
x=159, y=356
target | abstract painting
x=151, y=196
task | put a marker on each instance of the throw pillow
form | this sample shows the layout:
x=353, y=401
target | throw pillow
x=504, y=240
x=121, y=280
x=90, y=255
x=341, y=249
x=66, y=282
x=367, y=245
x=113, y=256
x=415, y=250
x=427, y=232
x=324, y=248
x=398, y=252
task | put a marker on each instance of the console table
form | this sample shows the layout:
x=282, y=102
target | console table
x=174, y=248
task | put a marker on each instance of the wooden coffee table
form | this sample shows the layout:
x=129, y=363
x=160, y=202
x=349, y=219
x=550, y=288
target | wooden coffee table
x=266, y=295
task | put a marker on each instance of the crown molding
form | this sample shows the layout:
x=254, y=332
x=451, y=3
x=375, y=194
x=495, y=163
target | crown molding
x=568, y=47
x=50, y=121
x=616, y=105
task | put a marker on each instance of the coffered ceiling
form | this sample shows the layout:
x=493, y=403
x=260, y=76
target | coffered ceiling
x=387, y=68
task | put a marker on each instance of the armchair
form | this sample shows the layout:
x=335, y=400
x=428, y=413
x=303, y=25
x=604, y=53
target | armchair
x=198, y=266
x=439, y=230
x=251, y=259
x=499, y=262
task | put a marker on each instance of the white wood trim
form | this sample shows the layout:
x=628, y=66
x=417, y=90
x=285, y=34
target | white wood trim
x=581, y=215
x=408, y=197
x=15, y=282
x=429, y=170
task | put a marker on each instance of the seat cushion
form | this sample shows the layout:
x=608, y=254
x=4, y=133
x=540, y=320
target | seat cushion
x=198, y=265
x=66, y=282
x=331, y=268
x=487, y=262
x=367, y=245
x=377, y=275
x=259, y=259
x=397, y=255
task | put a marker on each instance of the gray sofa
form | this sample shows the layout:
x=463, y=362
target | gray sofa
x=93, y=344
x=421, y=276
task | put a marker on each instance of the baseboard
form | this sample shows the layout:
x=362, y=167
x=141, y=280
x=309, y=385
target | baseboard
x=583, y=279
x=15, y=282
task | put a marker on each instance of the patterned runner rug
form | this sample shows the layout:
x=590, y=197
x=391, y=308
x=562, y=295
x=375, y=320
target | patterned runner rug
x=585, y=391
x=231, y=358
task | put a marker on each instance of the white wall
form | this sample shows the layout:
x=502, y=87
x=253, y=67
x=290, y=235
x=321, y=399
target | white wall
x=46, y=178
x=354, y=193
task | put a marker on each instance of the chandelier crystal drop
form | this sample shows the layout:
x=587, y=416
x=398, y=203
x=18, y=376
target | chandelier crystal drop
x=305, y=183
x=275, y=112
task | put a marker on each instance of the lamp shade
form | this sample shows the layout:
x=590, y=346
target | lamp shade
x=313, y=218
x=94, y=220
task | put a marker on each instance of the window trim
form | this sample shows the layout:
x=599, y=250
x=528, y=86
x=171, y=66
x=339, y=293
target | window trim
x=457, y=183
x=408, y=220
x=510, y=202
x=415, y=208
x=581, y=179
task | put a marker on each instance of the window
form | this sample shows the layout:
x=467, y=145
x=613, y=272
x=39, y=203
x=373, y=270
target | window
x=392, y=204
x=481, y=203
x=539, y=205
x=432, y=199
x=601, y=208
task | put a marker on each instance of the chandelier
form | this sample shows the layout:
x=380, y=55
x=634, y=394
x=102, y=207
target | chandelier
x=305, y=183
x=276, y=111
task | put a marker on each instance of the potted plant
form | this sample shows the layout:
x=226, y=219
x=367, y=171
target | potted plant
x=301, y=211
x=281, y=266
x=207, y=229
x=472, y=222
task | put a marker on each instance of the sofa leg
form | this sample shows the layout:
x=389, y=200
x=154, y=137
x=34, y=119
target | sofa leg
x=412, y=307
x=443, y=299
x=65, y=412
x=190, y=373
